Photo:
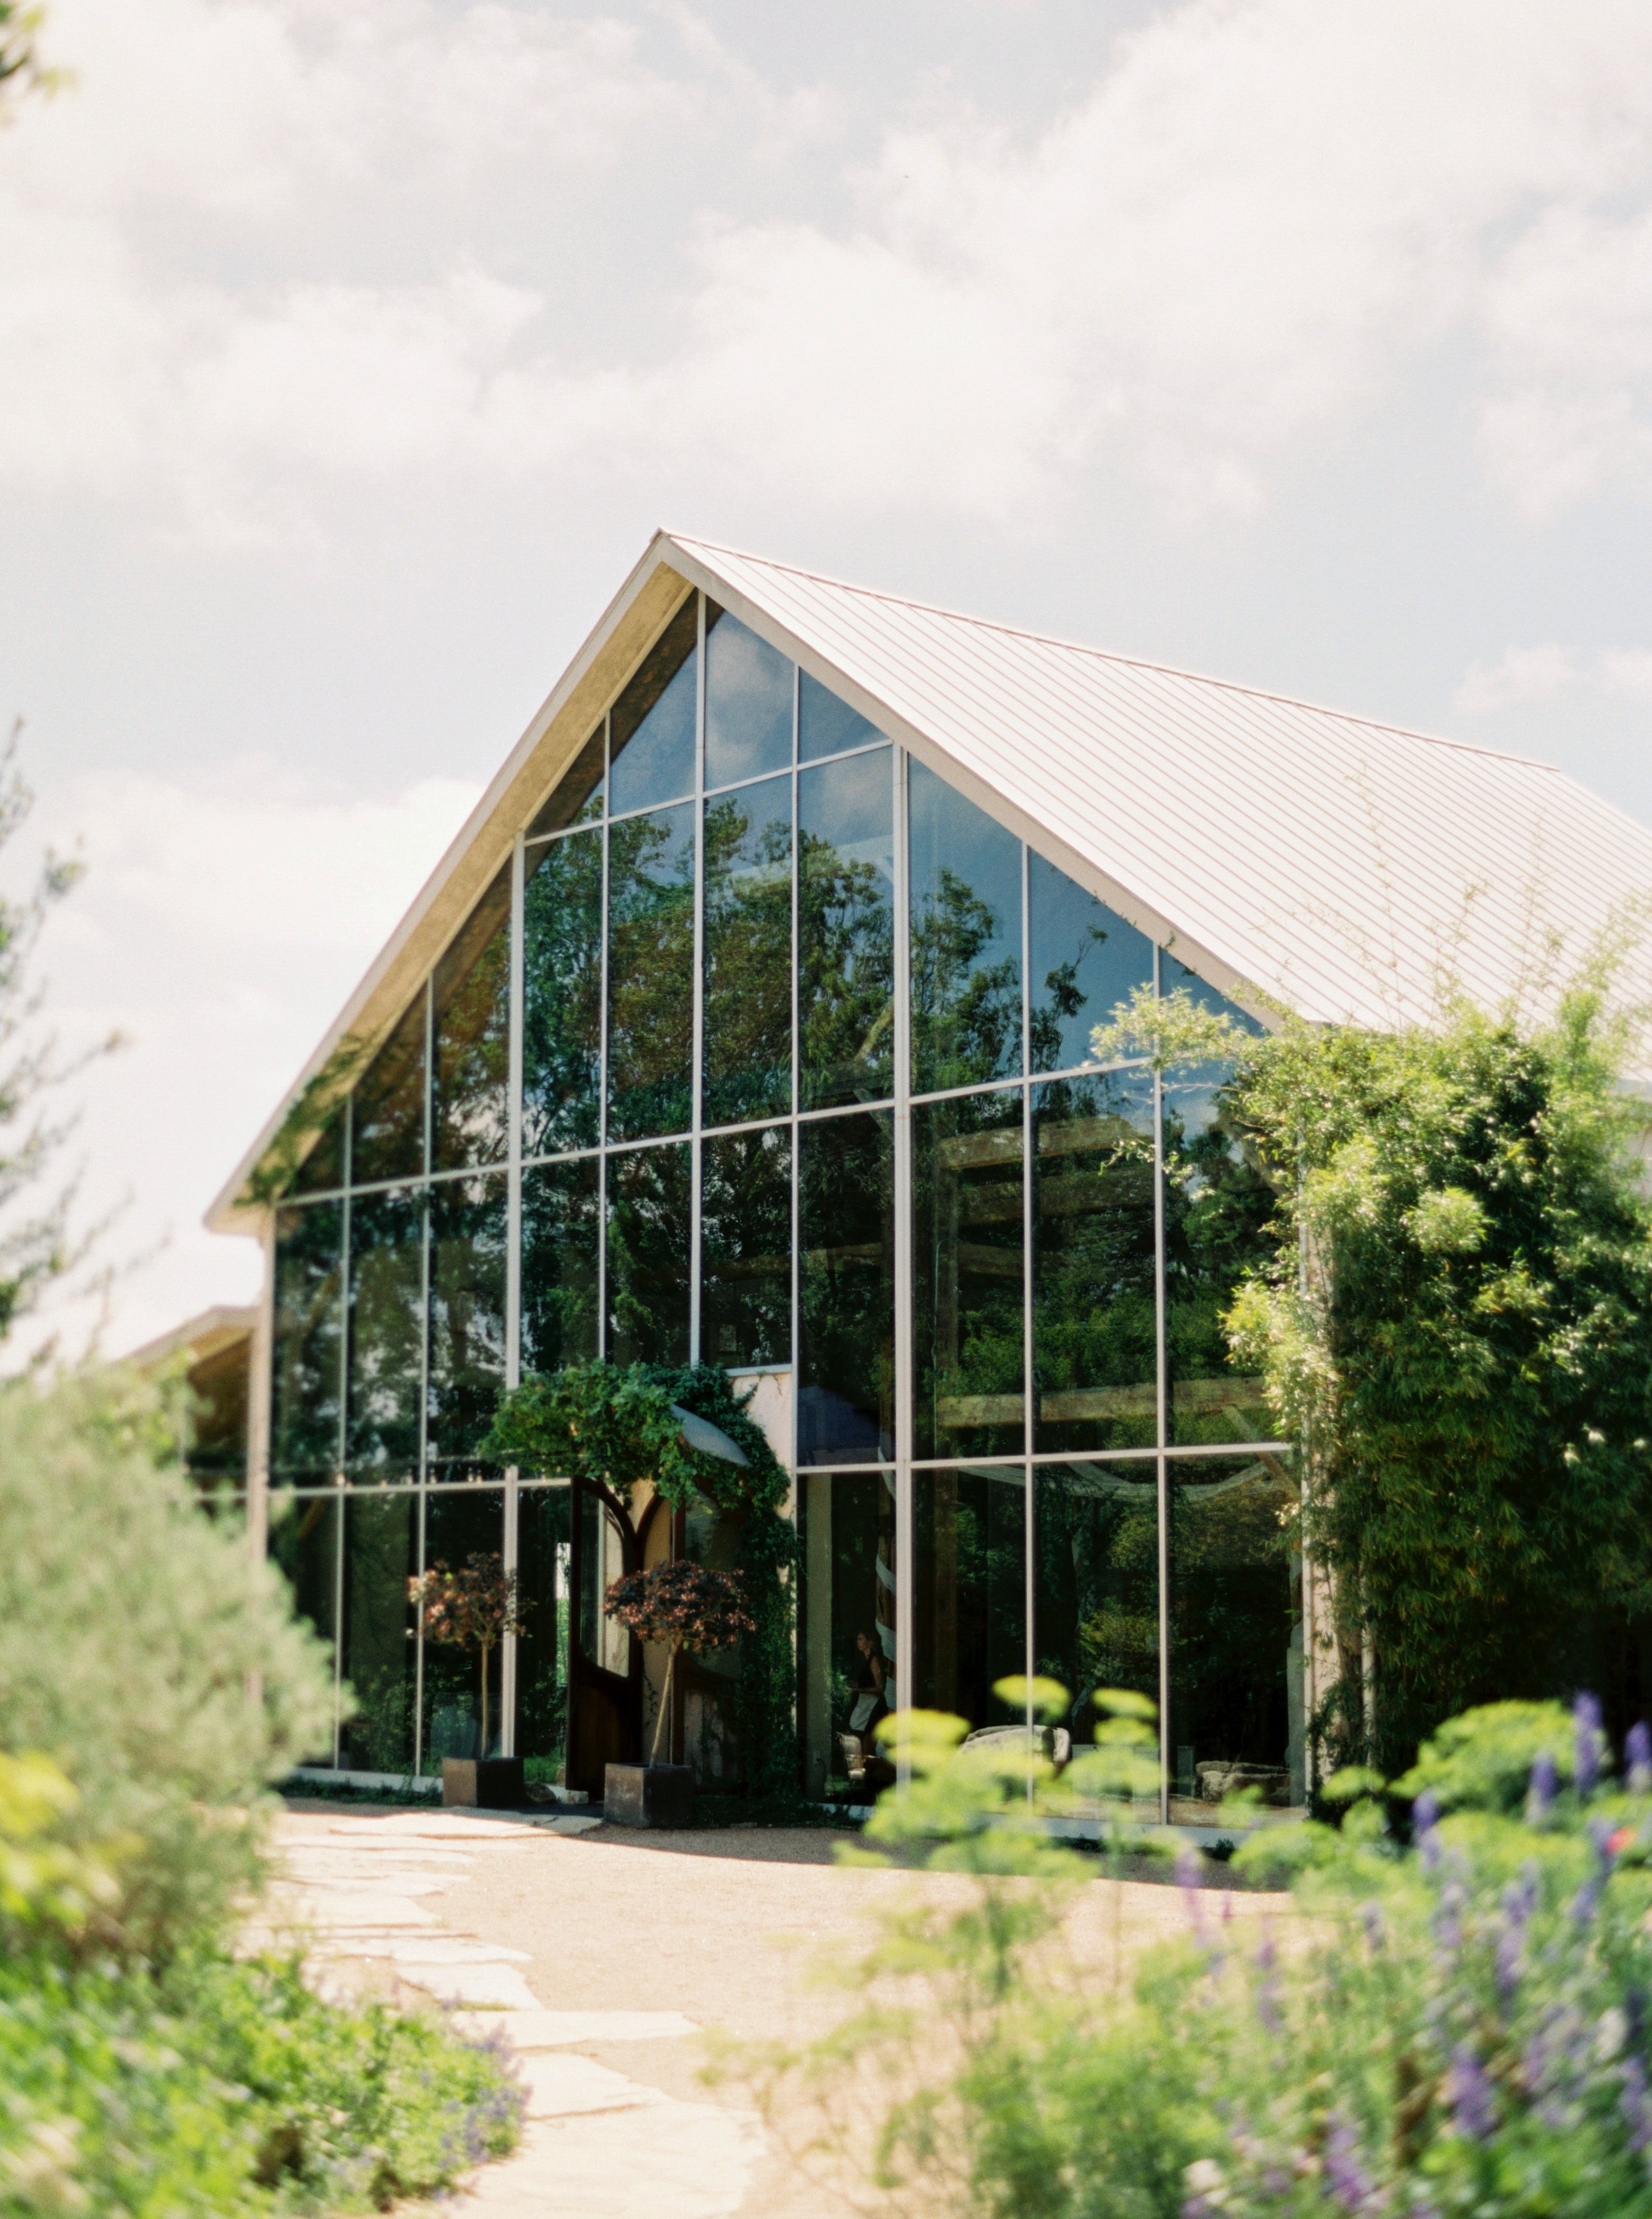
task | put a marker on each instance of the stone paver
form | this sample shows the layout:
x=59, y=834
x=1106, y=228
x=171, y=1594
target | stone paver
x=597, y=2144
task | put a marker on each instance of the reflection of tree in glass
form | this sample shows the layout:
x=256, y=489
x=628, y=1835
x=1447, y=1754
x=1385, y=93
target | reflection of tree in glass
x=387, y=1320
x=845, y=975
x=561, y=994
x=1118, y=1640
x=1216, y=1204
x=308, y=1307
x=473, y=1036
x=1233, y=1603
x=966, y=1014
x=650, y=972
x=1096, y=1622
x=1056, y=1003
x=467, y=1307
x=648, y=1223
x=747, y=964
x=1095, y=1324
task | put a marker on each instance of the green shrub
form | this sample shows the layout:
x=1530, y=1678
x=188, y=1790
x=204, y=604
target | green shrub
x=145, y=1650
x=1451, y=2016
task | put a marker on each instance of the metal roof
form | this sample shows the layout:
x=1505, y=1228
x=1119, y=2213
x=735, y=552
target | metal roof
x=1347, y=869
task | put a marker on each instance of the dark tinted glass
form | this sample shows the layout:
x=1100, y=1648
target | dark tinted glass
x=577, y=797
x=1236, y=1637
x=651, y=973
x=387, y=1128
x=1216, y=1204
x=381, y=1557
x=970, y=1586
x=461, y=1523
x=846, y=1264
x=748, y=1046
x=966, y=940
x=541, y=1556
x=561, y=995
x=467, y=1314
x=1096, y=1572
x=324, y=1167
x=1174, y=973
x=304, y=1543
x=846, y=1631
x=561, y=1228
x=826, y=726
x=469, y=1104
x=846, y=904
x=308, y=1325
x=648, y=1255
x=387, y=1312
x=1095, y=1333
x=746, y=1248
x=219, y=1389
x=651, y=748
x=1084, y=961
x=747, y=702
x=966, y=1276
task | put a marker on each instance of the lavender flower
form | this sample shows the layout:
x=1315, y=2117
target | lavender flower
x=1470, y=2094
x=1188, y=1873
x=1540, y=1793
x=1351, y=2187
x=1638, y=1750
x=1519, y=1901
x=1632, y=2102
x=1267, y=1993
x=1586, y=1719
x=1425, y=1816
x=1371, y=1912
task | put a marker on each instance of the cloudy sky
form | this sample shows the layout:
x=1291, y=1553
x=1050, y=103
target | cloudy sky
x=350, y=353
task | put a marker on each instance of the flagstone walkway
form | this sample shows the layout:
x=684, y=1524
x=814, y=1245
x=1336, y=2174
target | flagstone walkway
x=598, y=2144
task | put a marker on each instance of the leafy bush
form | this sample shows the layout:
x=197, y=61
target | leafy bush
x=145, y=1650
x=1454, y=2024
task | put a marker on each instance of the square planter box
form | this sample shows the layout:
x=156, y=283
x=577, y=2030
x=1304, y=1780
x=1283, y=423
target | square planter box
x=483, y=1783
x=649, y=1795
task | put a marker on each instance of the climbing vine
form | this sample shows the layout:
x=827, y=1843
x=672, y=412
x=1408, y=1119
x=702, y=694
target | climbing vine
x=1456, y=1323
x=609, y=1427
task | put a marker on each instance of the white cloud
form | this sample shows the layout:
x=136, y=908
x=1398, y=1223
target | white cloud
x=220, y=925
x=1526, y=674
x=271, y=246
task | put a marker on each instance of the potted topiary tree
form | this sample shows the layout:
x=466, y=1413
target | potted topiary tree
x=683, y=1605
x=475, y=1608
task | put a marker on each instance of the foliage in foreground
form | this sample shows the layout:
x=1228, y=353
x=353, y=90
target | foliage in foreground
x=1459, y=2026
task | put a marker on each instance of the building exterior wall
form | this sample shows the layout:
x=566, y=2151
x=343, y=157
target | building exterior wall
x=769, y=1049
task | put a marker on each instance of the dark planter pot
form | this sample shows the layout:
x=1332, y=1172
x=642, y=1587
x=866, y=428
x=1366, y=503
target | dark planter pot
x=649, y=1795
x=483, y=1783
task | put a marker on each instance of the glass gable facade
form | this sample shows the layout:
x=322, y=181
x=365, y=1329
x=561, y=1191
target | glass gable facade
x=770, y=1049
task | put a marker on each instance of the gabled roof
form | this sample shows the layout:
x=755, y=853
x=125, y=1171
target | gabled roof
x=1291, y=854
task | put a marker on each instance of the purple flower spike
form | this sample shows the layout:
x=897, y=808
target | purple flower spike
x=1470, y=2094
x=1637, y=2112
x=1371, y=1914
x=1585, y=1718
x=1637, y=1750
x=1351, y=2187
x=1544, y=1781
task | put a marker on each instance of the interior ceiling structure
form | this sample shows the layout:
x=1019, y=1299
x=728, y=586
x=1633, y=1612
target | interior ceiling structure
x=1297, y=856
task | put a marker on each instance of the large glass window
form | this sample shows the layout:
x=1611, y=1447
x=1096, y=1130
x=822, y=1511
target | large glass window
x=969, y=1539
x=388, y=1125
x=460, y=1523
x=969, y=1311
x=651, y=742
x=749, y=689
x=561, y=1224
x=649, y=1212
x=387, y=1318
x=543, y=1552
x=561, y=995
x=379, y=1660
x=472, y=1010
x=966, y=940
x=467, y=1314
x=846, y=1633
x=308, y=1324
x=1236, y=1636
x=747, y=1026
x=577, y=796
x=846, y=1264
x=1084, y=961
x=304, y=1531
x=746, y=1248
x=1095, y=1330
x=846, y=917
x=651, y=973
x=826, y=726
x=1096, y=1581
x=323, y=1168
x=1216, y=1204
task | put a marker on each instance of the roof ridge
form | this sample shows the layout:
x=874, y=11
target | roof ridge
x=1111, y=654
